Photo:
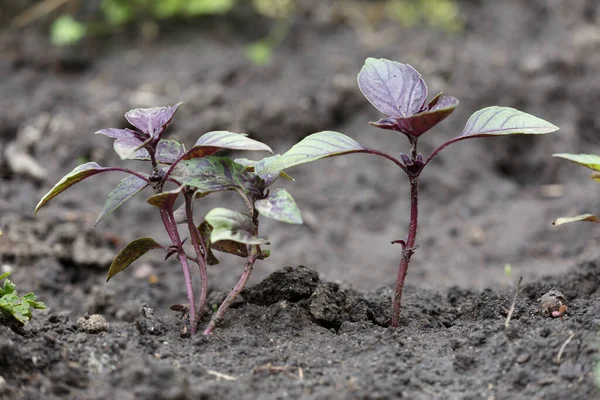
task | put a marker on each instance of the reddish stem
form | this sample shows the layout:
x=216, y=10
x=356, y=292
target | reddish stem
x=201, y=253
x=171, y=227
x=407, y=250
x=218, y=316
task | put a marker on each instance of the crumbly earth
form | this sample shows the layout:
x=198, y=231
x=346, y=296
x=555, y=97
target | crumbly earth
x=317, y=332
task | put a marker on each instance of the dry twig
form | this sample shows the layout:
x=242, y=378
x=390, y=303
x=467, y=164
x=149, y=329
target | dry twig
x=514, y=302
x=564, y=345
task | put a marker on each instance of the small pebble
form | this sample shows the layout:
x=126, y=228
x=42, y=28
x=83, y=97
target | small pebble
x=95, y=323
x=523, y=358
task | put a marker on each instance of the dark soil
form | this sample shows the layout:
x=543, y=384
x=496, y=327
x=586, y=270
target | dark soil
x=301, y=333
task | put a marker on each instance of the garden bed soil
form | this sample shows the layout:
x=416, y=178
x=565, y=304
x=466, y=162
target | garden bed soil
x=318, y=331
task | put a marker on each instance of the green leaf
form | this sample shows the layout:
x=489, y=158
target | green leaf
x=225, y=246
x=498, y=121
x=232, y=225
x=211, y=142
x=270, y=177
x=12, y=305
x=126, y=189
x=31, y=299
x=577, y=218
x=165, y=200
x=311, y=148
x=590, y=161
x=130, y=253
x=8, y=287
x=280, y=205
x=65, y=31
x=4, y=275
x=214, y=174
x=77, y=175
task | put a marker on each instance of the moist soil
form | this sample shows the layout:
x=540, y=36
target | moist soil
x=318, y=331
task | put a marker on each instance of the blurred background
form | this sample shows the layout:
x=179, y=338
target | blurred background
x=280, y=70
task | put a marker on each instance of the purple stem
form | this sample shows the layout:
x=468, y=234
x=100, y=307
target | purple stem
x=201, y=253
x=385, y=155
x=169, y=222
x=444, y=145
x=407, y=250
x=218, y=316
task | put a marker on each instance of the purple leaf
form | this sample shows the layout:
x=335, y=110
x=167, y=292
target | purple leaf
x=280, y=205
x=126, y=189
x=386, y=123
x=167, y=152
x=118, y=133
x=128, y=148
x=395, y=89
x=498, y=121
x=215, y=174
x=211, y=142
x=77, y=175
x=152, y=121
x=165, y=200
x=130, y=253
x=418, y=124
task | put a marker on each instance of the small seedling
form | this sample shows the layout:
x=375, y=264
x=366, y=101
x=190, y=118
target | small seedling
x=398, y=91
x=589, y=161
x=17, y=307
x=195, y=173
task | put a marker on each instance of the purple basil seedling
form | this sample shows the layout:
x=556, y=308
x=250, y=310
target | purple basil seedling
x=232, y=231
x=398, y=91
x=195, y=172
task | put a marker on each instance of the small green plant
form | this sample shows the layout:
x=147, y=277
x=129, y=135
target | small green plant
x=194, y=173
x=398, y=91
x=589, y=161
x=14, y=306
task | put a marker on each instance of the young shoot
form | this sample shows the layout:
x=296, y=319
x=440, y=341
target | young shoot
x=400, y=94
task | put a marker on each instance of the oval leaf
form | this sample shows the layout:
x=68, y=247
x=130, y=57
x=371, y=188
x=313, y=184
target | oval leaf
x=268, y=178
x=165, y=200
x=590, y=161
x=582, y=217
x=126, y=189
x=131, y=148
x=214, y=174
x=497, y=121
x=152, y=121
x=311, y=148
x=420, y=123
x=395, y=89
x=232, y=225
x=77, y=175
x=280, y=205
x=130, y=253
x=212, y=142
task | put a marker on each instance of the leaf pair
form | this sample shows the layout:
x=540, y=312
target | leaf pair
x=398, y=91
x=18, y=307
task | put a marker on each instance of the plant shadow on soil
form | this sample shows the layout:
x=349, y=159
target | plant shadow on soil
x=298, y=334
